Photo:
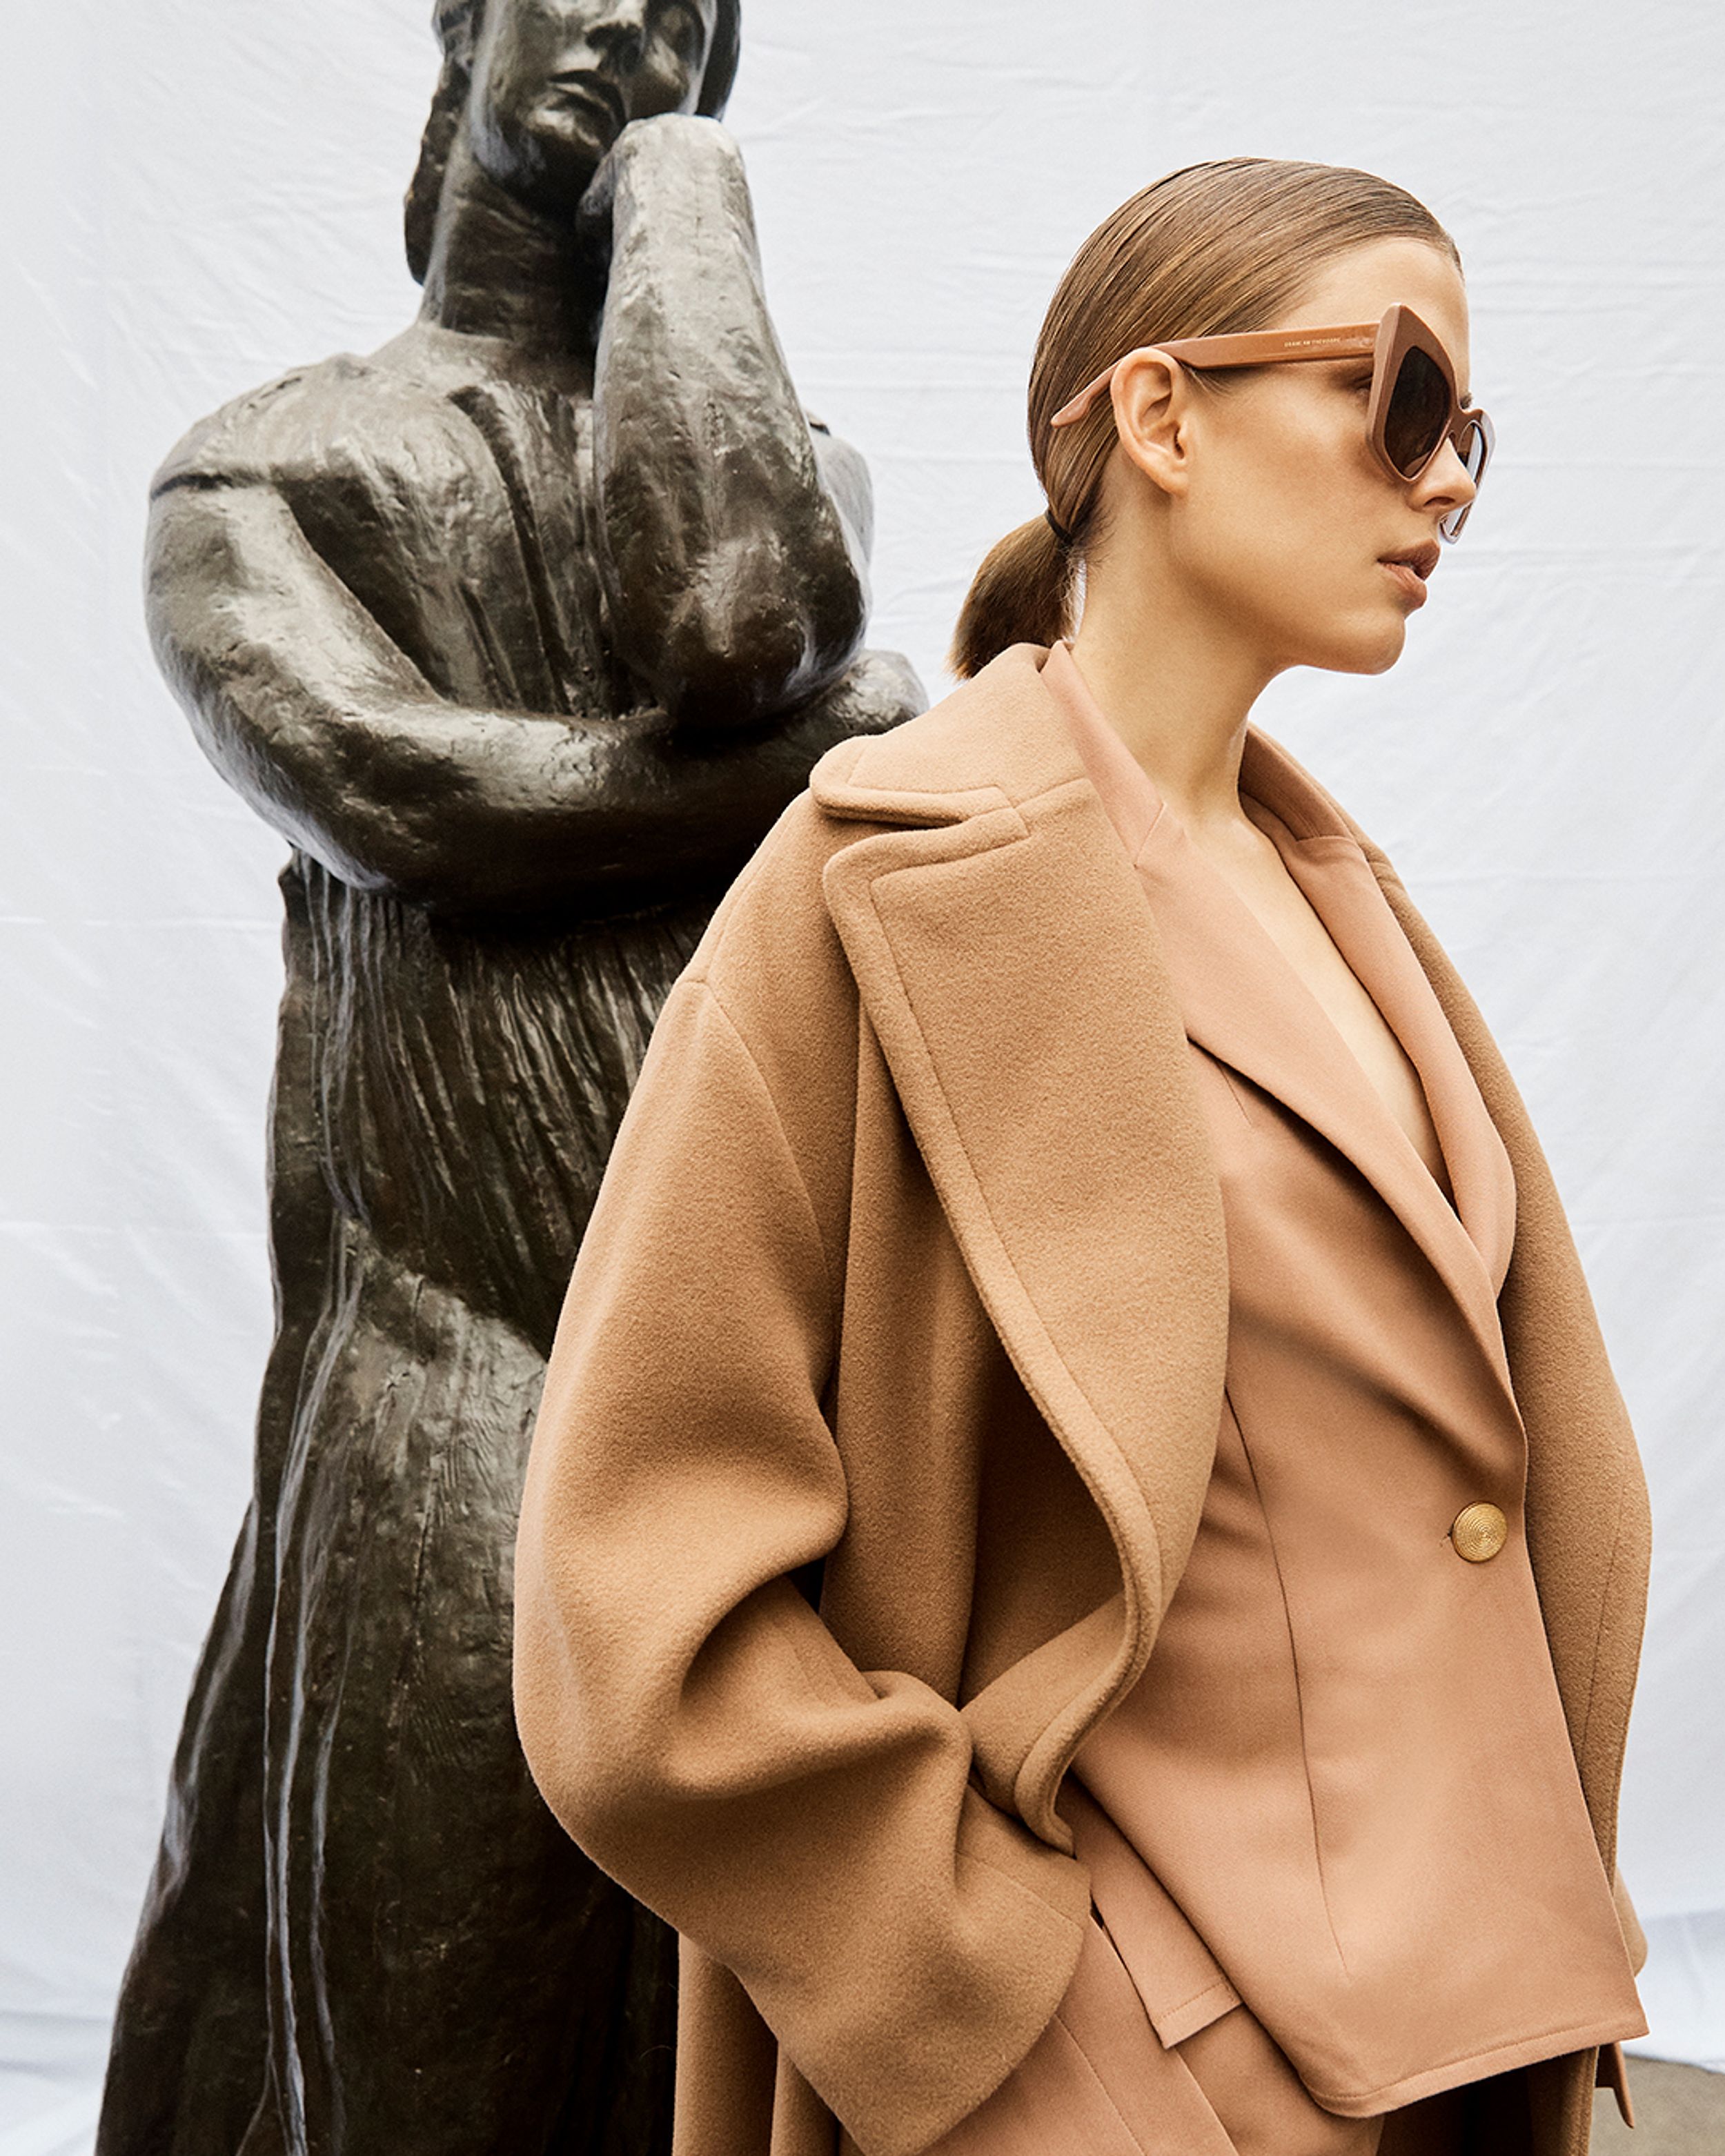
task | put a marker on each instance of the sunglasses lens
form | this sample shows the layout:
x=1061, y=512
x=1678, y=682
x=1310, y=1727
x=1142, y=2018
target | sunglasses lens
x=1419, y=408
x=1472, y=450
x=1474, y=447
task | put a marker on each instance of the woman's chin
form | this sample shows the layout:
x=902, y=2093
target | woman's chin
x=1390, y=647
x=1360, y=647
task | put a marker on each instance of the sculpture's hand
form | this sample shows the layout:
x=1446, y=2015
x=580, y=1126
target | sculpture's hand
x=877, y=690
x=679, y=136
x=322, y=722
x=737, y=575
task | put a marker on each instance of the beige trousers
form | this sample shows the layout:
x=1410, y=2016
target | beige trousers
x=1100, y=2083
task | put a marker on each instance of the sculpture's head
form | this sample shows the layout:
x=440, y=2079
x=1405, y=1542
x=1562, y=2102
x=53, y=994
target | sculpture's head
x=547, y=86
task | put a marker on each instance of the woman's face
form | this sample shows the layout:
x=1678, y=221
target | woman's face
x=1280, y=518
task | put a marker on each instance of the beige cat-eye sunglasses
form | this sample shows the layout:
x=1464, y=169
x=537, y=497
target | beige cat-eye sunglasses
x=1413, y=410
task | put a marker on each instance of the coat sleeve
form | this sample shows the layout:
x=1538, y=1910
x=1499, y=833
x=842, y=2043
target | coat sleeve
x=686, y=1714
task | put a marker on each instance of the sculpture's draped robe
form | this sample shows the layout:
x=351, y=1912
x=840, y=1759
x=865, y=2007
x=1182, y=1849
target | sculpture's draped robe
x=445, y=1100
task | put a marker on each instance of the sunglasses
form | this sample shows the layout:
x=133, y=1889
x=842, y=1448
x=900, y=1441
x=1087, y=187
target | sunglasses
x=1413, y=408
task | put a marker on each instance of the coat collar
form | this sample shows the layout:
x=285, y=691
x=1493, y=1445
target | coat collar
x=996, y=740
x=1011, y=738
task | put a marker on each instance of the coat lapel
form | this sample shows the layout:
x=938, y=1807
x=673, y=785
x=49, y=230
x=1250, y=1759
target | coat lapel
x=1588, y=1526
x=1010, y=967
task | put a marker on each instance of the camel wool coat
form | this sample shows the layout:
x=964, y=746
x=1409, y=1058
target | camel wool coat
x=880, y=1420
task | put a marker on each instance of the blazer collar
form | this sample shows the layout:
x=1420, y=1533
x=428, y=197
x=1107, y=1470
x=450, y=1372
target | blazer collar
x=1246, y=1005
x=1243, y=1004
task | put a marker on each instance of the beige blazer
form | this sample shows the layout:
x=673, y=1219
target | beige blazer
x=879, y=1421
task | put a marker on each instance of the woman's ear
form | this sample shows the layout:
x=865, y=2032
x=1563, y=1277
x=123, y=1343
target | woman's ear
x=1153, y=406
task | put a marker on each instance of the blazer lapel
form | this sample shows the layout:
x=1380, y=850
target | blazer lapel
x=1244, y=1005
x=1332, y=869
x=1588, y=1526
x=1247, y=1007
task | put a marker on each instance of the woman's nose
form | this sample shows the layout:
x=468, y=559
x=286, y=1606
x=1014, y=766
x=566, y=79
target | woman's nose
x=1446, y=479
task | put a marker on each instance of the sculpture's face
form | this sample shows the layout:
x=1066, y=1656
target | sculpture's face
x=556, y=81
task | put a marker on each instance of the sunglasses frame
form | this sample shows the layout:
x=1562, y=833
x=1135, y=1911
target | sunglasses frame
x=1388, y=342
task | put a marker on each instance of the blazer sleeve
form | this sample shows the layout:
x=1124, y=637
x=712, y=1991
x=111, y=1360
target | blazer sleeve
x=686, y=1714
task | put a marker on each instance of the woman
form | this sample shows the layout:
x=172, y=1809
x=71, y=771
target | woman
x=1081, y=1545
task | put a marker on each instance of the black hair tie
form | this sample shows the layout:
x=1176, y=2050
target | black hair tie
x=1058, y=529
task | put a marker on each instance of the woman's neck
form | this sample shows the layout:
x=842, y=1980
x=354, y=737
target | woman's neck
x=1178, y=687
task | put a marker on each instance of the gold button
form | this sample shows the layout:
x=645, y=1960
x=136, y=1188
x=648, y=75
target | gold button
x=1479, y=1531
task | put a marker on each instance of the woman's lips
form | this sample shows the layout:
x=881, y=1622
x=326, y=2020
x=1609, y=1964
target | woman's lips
x=1408, y=582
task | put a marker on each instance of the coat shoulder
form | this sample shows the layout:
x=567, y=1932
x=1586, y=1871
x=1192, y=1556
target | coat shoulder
x=770, y=936
x=771, y=960
x=995, y=742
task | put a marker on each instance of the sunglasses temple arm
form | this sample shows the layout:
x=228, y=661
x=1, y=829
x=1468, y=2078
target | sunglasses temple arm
x=1069, y=413
x=1252, y=348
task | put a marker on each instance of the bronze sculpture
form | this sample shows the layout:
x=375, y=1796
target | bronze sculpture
x=521, y=629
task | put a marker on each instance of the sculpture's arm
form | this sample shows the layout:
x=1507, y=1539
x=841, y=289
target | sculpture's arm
x=337, y=740
x=737, y=554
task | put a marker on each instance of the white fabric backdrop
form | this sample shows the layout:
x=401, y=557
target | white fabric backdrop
x=203, y=191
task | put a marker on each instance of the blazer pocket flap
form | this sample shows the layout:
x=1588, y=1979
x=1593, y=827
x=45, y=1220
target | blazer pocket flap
x=1175, y=2024
x=1181, y=1983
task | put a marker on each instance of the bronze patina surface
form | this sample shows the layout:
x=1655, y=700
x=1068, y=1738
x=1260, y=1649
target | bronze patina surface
x=522, y=630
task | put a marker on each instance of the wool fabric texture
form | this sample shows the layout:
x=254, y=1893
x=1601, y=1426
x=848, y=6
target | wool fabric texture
x=880, y=1420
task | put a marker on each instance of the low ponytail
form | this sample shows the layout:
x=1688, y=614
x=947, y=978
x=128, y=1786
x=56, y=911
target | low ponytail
x=1208, y=251
x=1021, y=594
